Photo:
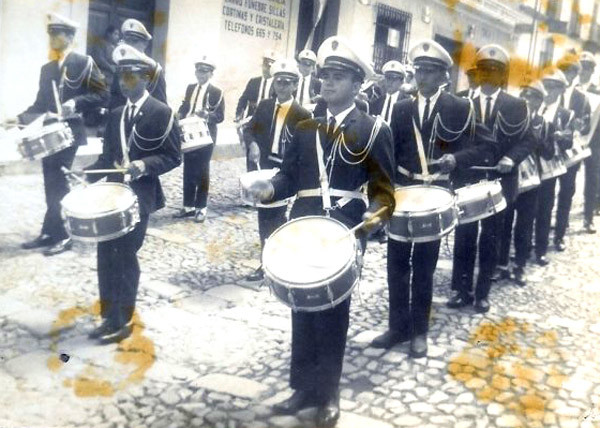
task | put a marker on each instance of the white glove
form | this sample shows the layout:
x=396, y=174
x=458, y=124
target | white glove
x=68, y=108
x=447, y=163
x=136, y=169
x=261, y=191
x=254, y=152
x=505, y=165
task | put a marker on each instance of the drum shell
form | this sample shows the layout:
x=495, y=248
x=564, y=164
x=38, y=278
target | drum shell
x=51, y=139
x=482, y=206
x=103, y=226
x=551, y=168
x=423, y=226
x=194, y=134
x=529, y=176
x=314, y=296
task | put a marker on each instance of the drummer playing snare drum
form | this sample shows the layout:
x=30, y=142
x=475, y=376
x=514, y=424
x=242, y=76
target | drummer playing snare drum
x=144, y=137
x=268, y=134
x=435, y=136
x=204, y=100
x=80, y=88
x=351, y=149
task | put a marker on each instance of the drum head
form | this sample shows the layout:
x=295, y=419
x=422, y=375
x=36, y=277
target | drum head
x=247, y=178
x=308, y=250
x=421, y=198
x=478, y=191
x=98, y=198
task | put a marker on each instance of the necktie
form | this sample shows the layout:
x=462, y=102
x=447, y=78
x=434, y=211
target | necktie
x=274, y=127
x=301, y=95
x=193, y=109
x=330, y=129
x=262, y=89
x=388, y=102
x=562, y=100
x=426, y=111
x=130, y=116
x=488, y=110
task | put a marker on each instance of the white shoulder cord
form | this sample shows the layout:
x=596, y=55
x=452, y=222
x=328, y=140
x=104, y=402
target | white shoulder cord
x=367, y=149
x=505, y=126
x=76, y=83
x=212, y=108
x=161, y=139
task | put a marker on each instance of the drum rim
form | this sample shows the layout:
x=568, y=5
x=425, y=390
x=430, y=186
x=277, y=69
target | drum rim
x=336, y=302
x=445, y=207
x=94, y=239
x=320, y=283
x=46, y=130
x=501, y=207
x=72, y=213
x=496, y=184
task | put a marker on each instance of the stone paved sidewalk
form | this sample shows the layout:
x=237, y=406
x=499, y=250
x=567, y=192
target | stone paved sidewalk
x=209, y=353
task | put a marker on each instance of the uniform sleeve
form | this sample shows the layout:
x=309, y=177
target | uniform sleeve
x=184, y=109
x=243, y=101
x=106, y=158
x=218, y=114
x=380, y=168
x=481, y=148
x=96, y=93
x=285, y=182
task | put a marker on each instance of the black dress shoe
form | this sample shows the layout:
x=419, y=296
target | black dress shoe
x=40, y=241
x=519, y=277
x=542, y=261
x=183, y=213
x=256, y=276
x=103, y=329
x=116, y=336
x=459, y=300
x=329, y=412
x=300, y=399
x=589, y=227
x=59, y=247
x=389, y=339
x=482, y=306
x=560, y=245
x=418, y=346
x=501, y=274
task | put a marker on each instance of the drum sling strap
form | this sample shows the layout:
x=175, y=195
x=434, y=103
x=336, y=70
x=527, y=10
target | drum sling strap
x=425, y=176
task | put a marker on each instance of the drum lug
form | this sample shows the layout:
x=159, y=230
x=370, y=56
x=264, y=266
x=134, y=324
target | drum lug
x=292, y=300
x=409, y=226
x=330, y=294
x=490, y=202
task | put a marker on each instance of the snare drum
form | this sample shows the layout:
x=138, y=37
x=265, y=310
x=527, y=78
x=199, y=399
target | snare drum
x=529, y=175
x=100, y=212
x=194, y=134
x=552, y=168
x=247, y=178
x=478, y=201
x=422, y=214
x=45, y=141
x=578, y=152
x=312, y=263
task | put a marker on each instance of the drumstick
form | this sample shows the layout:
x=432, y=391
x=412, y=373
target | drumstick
x=105, y=171
x=484, y=168
x=362, y=224
x=56, y=99
x=72, y=174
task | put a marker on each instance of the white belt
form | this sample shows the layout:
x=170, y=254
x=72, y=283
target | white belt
x=345, y=195
x=417, y=176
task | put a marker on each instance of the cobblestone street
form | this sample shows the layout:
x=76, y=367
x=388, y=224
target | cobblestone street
x=207, y=352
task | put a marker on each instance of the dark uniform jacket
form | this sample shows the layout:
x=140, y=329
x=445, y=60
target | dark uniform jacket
x=471, y=147
x=580, y=105
x=300, y=170
x=262, y=125
x=376, y=105
x=159, y=156
x=313, y=90
x=82, y=82
x=249, y=98
x=157, y=88
x=213, y=103
x=510, y=125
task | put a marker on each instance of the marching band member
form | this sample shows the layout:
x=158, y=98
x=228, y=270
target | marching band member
x=204, y=100
x=136, y=35
x=257, y=89
x=526, y=204
x=308, y=85
x=508, y=119
x=269, y=133
x=473, y=90
x=393, y=73
x=434, y=126
x=592, y=163
x=560, y=135
x=143, y=136
x=350, y=155
x=81, y=88
x=575, y=100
